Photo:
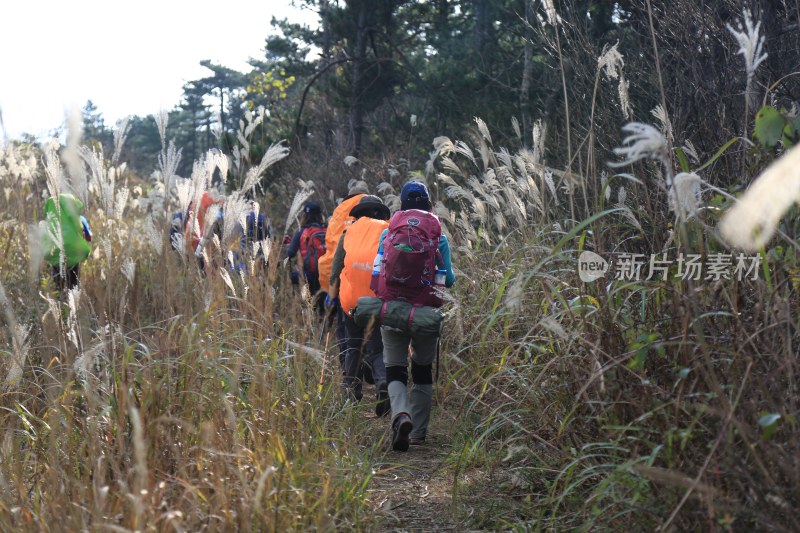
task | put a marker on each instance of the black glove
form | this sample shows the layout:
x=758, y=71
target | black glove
x=295, y=276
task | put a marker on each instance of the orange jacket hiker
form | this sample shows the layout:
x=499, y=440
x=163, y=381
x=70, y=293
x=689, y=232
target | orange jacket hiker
x=360, y=246
x=340, y=220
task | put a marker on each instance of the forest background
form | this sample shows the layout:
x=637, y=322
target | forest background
x=640, y=403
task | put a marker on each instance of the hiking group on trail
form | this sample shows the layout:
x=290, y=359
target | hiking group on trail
x=388, y=272
x=378, y=277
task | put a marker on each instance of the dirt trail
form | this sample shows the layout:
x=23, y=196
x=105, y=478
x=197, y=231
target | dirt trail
x=412, y=490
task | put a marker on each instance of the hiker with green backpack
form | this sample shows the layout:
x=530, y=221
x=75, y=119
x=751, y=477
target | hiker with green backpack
x=412, y=265
x=66, y=239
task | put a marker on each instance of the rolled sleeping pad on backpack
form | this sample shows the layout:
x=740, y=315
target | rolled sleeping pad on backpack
x=397, y=314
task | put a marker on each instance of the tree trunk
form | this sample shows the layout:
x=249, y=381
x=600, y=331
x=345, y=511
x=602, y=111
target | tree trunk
x=359, y=60
x=527, y=71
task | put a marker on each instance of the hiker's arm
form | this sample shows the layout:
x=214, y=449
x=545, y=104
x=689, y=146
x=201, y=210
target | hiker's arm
x=447, y=265
x=336, y=268
x=87, y=232
x=294, y=246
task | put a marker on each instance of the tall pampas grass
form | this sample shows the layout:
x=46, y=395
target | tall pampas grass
x=275, y=153
x=752, y=221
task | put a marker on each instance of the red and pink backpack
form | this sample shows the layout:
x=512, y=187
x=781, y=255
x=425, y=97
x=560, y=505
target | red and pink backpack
x=410, y=254
x=312, y=247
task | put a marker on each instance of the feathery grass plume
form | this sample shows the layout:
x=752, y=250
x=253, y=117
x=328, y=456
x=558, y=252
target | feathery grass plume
x=36, y=251
x=666, y=125
x=483, y=129
x=462, y=148
x=162, y=119
x=605, y=185
x=153, y=234
x=350, y=160
x=451, y=165
x=691, y=151
x=550, y=11
x=19, y=338
x=443, y=146
x=128, y=269
x=140, y=463
x=53, y=170
x=120, y=136
x=548, y=179
x=103, y=179
x=275, y=153
x=444, y=214
x=297, y=203
x=447, y=180
x=385, y=187
x=539, y=134
x=505, y=158
x=751, y=222
x=73, y=302
x=234, y=218
x=223, y=164
x=55, y=178
x=70, y=156
x=750, y=43
x=612, y=62
x=644, y=142
x=228, y=282
x=622, y=196
x=516, y=128
x=684, y=198
x=168, y=161
x=86, y=360
x=121, y=200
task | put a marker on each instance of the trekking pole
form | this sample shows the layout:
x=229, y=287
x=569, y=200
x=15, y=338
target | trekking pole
x=324, y=359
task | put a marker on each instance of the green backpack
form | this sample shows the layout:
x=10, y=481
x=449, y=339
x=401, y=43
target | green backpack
x=76, y=248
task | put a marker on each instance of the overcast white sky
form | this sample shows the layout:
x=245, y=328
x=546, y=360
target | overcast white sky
x=130, y=57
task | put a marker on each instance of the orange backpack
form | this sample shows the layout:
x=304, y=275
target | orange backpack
x=361, y=247
x=339, y=221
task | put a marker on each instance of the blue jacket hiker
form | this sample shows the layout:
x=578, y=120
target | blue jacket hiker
x=308, y=245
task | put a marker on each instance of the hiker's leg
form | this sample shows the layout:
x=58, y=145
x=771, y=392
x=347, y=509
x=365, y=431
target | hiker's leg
x=395, y=359
x=373, y=356
x=424, y=353
x=73, y=275
x=352, y=359
x=58, y=280
x=341, y=336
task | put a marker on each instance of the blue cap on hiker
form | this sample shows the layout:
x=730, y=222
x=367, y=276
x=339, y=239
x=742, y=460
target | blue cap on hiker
x=312, y=208
x=415, y=196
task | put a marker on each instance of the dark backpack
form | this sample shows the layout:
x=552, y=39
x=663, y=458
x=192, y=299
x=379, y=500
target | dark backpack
x=410, y=254
x=312, y=247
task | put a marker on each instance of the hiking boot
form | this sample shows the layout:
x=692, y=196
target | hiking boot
x=367, y=374
x=416, y=441
x=400, y=429
x=383, y=407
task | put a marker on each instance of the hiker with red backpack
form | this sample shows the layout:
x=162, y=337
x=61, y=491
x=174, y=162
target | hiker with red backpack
x=351, y=277
x=412, y=265
x=308, y=245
